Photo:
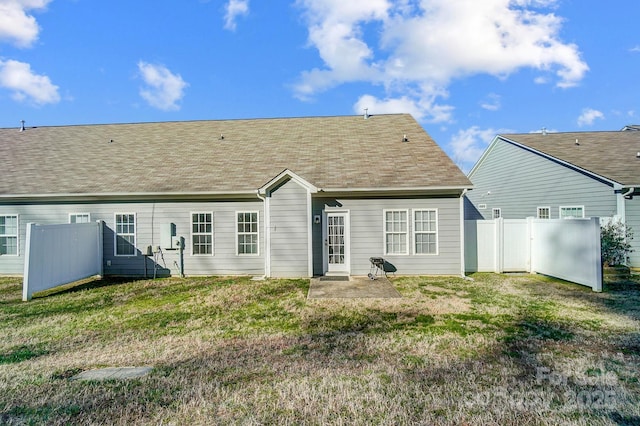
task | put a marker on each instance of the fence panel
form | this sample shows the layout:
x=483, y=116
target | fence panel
x=568, y=249
x=60, y=254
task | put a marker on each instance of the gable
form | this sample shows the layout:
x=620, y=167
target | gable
x=608, y=156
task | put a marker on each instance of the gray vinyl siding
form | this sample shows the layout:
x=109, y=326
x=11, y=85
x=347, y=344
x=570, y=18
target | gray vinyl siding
x=519, y=181
x=366, y=218
x=149, y=220
x=289, y=231
x=632, y=210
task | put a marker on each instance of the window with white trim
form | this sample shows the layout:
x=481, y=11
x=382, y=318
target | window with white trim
x=9, y=235
x=247, y=233
x=571, y=212
x=425, y=231
x=497, y=213
x=125, y=235
x=202, y=234
x=79, y=218
x=396, y=232
x=544, y=213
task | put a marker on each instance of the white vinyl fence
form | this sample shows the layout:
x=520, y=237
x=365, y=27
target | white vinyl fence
x=60, y=254
x=564, y=248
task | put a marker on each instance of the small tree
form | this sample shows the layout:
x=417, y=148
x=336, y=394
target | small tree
x=615, y=241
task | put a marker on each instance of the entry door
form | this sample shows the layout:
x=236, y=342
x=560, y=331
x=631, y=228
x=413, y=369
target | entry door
x=337, y=242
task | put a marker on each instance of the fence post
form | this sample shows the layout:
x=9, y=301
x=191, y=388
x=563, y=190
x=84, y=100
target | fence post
x=499, y=245
x=598, y=249
x=100, y=259
x=530, y=254
x=26, y=292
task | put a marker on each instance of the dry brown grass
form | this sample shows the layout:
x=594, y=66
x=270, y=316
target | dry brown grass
x=499, y=350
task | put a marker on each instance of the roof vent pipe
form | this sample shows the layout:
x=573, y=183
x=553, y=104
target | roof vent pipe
x=366, y=113
x=544, y=131
x=577, y=142
x=22, y=125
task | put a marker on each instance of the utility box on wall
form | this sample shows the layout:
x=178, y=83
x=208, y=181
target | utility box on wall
x=168, y=238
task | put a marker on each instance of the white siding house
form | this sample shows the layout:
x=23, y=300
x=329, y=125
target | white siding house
x=560, y=176
x=291, y=197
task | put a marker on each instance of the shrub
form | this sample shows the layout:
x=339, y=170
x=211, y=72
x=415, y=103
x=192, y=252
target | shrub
x=615, y=240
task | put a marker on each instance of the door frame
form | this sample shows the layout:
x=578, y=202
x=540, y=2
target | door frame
x=347, y=241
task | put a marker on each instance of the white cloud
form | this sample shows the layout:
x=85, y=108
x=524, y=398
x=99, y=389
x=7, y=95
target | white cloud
x=420, y=109
x=235, y=8
x=467, y=145
x=164, y=89
x=492, y=102
x=16, y=25
x=420, y=46
x=25, y=85
x=589, y=116
x=635, y=49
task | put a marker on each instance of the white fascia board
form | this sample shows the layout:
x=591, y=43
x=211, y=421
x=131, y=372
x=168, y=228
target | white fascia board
x=397, y=190
x=135, y=196
x=484, y=155
x=288, y=174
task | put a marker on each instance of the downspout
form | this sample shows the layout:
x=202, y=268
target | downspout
x=462, y=244
x=267, y=234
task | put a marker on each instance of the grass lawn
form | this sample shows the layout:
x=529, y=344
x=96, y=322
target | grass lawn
x=498, y=350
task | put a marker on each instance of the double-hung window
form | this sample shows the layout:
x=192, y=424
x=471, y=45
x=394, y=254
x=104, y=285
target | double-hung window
x=9, y=235
x=572, y=212
x=79, y=218
x=125, y=236
x=425, y=231
x=247, y=233
x=396, y=232
x=201, y=234
x=544, y=213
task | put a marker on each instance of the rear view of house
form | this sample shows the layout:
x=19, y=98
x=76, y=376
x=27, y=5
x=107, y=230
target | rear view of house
x=292, y=197
x=560, y=176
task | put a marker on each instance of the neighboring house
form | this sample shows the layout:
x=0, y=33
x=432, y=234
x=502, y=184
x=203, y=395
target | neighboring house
x=292, y=197
x=560, y=175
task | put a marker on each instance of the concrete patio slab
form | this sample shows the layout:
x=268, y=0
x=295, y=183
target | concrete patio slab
x=113, y=373
x=353, y=288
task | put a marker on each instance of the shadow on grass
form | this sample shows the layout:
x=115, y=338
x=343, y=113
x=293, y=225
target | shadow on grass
x=22, y=353
x=83, y=285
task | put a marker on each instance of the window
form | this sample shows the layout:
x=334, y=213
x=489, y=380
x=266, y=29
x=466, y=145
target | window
x=9, y=235
x=571, y=212
x=544, y=213
x=395, y=232
x=79, y=218
x=425, y=231
x=247, y=235
x=125, y=237
x=497, y=213
x=201, y=234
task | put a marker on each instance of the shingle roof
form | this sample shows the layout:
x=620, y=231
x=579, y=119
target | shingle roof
x=611, y=155
x=192, y=157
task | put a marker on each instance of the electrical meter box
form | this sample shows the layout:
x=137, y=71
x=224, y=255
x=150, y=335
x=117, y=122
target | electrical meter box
x=168, y=238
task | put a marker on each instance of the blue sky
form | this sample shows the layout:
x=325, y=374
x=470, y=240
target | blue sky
x=465, y=69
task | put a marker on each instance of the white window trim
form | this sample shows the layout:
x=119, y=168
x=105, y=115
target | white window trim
x=79, y=214
x=548, y=208
x=384, y=232
x=204, y=233
x=493, y=213
x=115, y=235
x=17, y=234
x=414, y=232
x=570, y=207
x=257, y=212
